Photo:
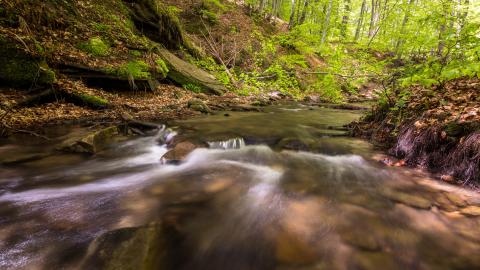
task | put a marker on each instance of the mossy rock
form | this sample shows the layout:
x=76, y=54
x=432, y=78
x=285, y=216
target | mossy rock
x=19, y=69
x=184, y=73
x=95, y=46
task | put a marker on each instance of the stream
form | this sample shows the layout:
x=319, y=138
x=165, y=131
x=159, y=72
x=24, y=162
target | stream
x=280, y=189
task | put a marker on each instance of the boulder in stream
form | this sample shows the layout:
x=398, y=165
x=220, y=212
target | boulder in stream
x=139, y=248
x=180, y=151
x=91, y=143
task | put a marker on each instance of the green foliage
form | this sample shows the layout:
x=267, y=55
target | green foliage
x=328, y=88
x=134, y=69
x=193, y=87
x=213, y=5
x=217, y=70
x=161, y=67
x=291, y=61
x=210, y=16
x=96, y=47
x=135, y=53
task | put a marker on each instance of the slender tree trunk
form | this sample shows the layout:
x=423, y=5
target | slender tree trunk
x=345, y=19
x=360, y=20
x=292, y=15
x=304, y=13
x=326, y=25
x=404, y=24
x=372, y=19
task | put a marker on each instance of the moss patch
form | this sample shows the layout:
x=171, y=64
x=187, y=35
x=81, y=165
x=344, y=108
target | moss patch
x=93, y=101
x=134, y=69
x=21, y=69
x=161, y=67
x=96, y=47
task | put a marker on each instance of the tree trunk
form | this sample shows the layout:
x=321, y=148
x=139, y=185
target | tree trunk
x=404, y=24
x=360, y=20
x=292, y=15
x=345, y=19
x=304, y=12
x=327, y=21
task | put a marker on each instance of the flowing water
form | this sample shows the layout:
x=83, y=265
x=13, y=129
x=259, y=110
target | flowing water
x=284, y=189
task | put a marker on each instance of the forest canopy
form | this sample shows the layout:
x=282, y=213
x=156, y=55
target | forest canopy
x=443, y=35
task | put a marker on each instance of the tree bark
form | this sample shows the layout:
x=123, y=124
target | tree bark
x=327, y=21
x=360, y=20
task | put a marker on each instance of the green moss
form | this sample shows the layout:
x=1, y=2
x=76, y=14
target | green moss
x=210, y=16
x=134, y=69
x=93, y=101
x=213, y=5
x=20, y=69
x=193, y=87
x=101, y=27
x=161, y=67
x=135, y=53
x=96, y=47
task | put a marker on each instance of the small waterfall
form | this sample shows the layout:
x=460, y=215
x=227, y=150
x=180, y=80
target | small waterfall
x=235, y=143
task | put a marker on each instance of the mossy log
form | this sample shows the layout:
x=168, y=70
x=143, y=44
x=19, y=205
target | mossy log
x=184, y=73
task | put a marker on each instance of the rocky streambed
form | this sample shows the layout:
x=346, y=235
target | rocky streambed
x=279, y=189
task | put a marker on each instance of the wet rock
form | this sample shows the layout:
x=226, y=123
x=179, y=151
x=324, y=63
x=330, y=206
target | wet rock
x=128, y=248
x=374, y=261
x=244, y=108
x=91, y=143
x=15, y=158
x=409, y=199
x=292, y=249
x=141, y=126
x=180, y=151
x=261, y=102
x=295, y=144
x=199, y=106
x=471, y=211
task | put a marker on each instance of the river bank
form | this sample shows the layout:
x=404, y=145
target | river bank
x=435, y=128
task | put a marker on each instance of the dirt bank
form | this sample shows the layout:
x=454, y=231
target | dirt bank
x=437, y=129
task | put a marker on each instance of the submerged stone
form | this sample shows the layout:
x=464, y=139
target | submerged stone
x=411, y=200
x=471, y=211
x=141, y=248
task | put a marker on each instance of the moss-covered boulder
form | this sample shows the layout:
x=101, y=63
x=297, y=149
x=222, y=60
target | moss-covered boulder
x=140, y=248
x=21, y=69
x=184, y=73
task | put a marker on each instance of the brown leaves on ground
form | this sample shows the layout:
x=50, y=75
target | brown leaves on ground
x=165, y=103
